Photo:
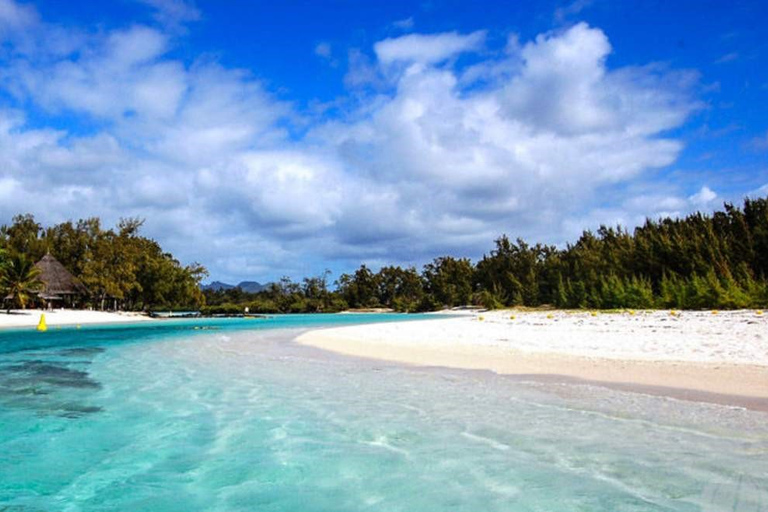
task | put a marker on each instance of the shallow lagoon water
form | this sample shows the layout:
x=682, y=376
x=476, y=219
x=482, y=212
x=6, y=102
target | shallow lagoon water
x=172, y=417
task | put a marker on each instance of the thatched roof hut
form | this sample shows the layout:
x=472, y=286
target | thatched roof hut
x=58, y=282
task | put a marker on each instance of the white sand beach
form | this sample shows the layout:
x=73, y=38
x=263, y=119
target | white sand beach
x=717, y=352
x=30, y=317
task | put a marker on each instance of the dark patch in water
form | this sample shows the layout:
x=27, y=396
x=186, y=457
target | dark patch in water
x=48, y=387
x=54, y=374
x=78, y=411
x=32, y=390
x=81, y=351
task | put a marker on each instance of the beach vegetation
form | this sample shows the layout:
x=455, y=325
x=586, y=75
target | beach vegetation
x=449, y=280
x=488, y=300
x=120, y=268
x=717, y=261
x=19, y=281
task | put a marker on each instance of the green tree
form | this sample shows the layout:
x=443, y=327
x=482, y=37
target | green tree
x=359, y=290
x=399, y=289
x=20, y=279
x=449, y=281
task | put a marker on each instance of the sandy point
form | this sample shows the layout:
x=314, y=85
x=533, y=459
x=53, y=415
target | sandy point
x=724, y=353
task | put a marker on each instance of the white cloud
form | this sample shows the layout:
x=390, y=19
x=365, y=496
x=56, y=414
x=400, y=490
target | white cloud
x=728, y=57
x=404, y=24
x=427, y=49
x=573, y=8
x=432, y=165
x=173, y=12
x=15, y=16
x=122, y=73
x=323, y=50
x=760, y=192
x=703, y=197
x=546, y=140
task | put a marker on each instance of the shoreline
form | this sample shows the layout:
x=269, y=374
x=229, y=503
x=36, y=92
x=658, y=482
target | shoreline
x=723, y=355
x=61, y=317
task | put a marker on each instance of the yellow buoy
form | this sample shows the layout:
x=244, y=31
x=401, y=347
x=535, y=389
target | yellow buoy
x=593, y=313
x=480, y=318
x=41, y=324
x=511, y=317
x=631, y=311
x=714, y=311
x=759, y=311
x=550, y=316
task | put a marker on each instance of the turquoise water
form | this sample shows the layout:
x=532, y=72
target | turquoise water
x=234, y=417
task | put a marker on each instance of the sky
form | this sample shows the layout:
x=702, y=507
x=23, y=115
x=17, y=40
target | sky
x=265, y=139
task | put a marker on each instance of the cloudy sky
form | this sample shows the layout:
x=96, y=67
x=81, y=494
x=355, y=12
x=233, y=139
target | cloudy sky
x=282, y=138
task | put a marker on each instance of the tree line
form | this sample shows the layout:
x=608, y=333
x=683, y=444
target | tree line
x=699, y=261
x=120, y=268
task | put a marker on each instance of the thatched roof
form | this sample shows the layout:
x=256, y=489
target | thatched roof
x=57, y=280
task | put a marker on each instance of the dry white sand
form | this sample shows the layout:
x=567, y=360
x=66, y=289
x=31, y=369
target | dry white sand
x=726, y=352
x=30, y=317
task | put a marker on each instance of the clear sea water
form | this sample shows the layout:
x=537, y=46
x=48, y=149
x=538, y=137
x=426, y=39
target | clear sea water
x=230, y=415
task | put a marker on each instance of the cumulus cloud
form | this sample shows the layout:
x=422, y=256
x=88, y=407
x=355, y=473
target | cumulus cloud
x=15, y=16
x=703, y=197
x=521, y=153
x=543, y=136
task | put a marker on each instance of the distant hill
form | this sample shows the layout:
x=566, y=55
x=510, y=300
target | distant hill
x=252, y=286
x=216, y=286
x=246, y=286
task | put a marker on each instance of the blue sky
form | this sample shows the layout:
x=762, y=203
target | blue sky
x=282, y=138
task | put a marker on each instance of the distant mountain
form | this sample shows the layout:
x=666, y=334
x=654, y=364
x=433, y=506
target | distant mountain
x=246, y=286
x=252, y=286
x=216, y=286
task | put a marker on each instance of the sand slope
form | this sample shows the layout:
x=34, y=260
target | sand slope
x=725, y=352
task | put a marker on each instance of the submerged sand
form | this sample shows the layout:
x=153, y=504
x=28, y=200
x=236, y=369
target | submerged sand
x=30, y=317
x=722, y=352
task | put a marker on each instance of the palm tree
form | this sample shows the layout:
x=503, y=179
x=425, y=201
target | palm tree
x=19, y=279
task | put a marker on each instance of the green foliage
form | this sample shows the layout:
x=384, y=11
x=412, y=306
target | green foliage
x=638, y=293
x=310, y=296
x=120, y=268
x=488, y=300
x=718, y=261
x=19, y=280
x=400, y=289
x=222, y=309
x=700, y=261
x=449, y=281
x=359, y=290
